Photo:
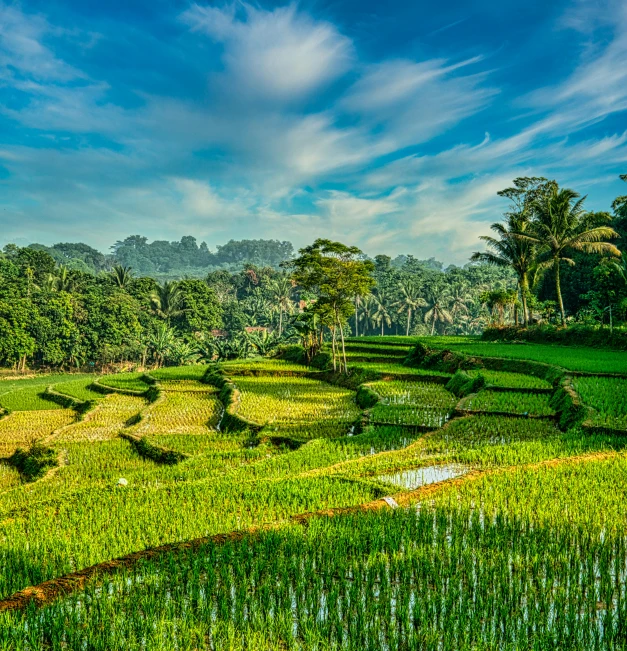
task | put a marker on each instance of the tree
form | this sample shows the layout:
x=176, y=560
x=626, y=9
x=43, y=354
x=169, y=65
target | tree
x=366, y=308
x=198, y=308
x=281, y=290
x=122, y=276
x=166, y=300
x=381, y=315
x=510, y=250
x=410, y=300
x=161, y=342
x=560, y=225
x=336, y=273
x=437, y=301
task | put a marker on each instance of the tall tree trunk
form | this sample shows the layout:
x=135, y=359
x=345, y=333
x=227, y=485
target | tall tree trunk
x=382, y=327
x=356, y=316
x=433, y=325
x=343, y=347
x=408, y=321
x=333, y=348
x=280, y=320
x=558, y=289
x=524, y=289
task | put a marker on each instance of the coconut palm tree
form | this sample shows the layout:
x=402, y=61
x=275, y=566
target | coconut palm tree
x=367, y=307
x=511, y=250
x=561, y=224
x=122, y=276
x=438, y=298
x=166, y=300
x=410, y=300
x=460, y=299
x=281, y=290
x=381, y=315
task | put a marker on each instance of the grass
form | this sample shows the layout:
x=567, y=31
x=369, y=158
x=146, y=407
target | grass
x=445, y=576
x=105, y=421
x=412, y=403
x=297, y=405
x=390, y=368
x=608, y=398
x=503, y=401
x=78, y=389
x=570, y=357
x=125, y=381
x=510, y=380
x=22, y=428
x=469, y=569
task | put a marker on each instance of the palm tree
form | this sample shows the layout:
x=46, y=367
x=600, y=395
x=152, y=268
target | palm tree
x=381, y=315
x=367, y=308
x=561, y=224
x=512, y=250
x=460, y=298
x=437, y=299
x=166, y=300
x=63, y=282
x=161, y=342
x=410, y=300
x=122, y=276
x=281, y=289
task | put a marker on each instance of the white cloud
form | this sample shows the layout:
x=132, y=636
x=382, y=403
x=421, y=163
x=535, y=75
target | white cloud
x=22, y=48
x=414, y=101
x=279, y=55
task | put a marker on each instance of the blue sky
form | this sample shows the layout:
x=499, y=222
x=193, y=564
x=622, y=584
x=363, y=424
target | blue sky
x=387, y=125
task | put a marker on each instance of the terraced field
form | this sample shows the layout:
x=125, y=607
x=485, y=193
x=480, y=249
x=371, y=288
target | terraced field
x=527, y=494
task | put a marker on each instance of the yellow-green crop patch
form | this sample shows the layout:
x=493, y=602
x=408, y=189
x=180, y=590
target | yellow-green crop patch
x=297, y=404
x=23, y=428
x=190, y=411
x=105, y=421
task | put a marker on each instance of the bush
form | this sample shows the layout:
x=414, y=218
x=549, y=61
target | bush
x=366, y=397
x=34, y=462
x=462, y=384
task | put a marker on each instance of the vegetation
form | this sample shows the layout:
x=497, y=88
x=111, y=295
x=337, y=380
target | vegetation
x=157, y=496
x=135, y=475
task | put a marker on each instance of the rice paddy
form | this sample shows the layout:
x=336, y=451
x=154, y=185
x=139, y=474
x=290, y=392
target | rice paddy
x=499, y=532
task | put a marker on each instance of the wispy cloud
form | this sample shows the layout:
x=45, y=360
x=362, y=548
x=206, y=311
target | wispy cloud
x=299, y=130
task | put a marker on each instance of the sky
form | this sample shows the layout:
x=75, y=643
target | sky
x=388, y=125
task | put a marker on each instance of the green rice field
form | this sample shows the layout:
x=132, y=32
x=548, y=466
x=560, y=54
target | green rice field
x=250, y=515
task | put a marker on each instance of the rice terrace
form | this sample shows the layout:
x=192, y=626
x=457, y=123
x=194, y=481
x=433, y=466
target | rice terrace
x=313, y=325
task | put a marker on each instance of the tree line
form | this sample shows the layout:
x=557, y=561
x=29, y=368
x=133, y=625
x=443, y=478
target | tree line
x=549, y=261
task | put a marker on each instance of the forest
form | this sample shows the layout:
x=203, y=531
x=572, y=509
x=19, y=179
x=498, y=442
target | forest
x=549, y=262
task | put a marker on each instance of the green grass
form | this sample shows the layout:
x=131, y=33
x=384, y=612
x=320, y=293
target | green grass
x=511, y=380
x=470, y=574
x=125, y=381
x=27, y=399
x=517, y=403
x=297, y=406
x=264, y=364
x=574, y=358
x=194, y=372
x=390, y=368
x=412, y=403
x=608, y=398
x=78, y=389
x=450, y=576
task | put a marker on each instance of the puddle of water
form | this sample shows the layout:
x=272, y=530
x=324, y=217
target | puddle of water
x=418, y=477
